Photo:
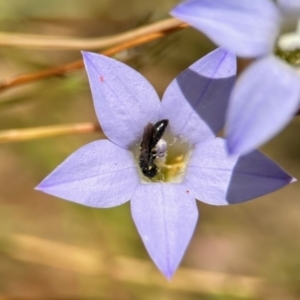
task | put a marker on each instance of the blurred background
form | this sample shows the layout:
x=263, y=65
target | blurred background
x=54, y=249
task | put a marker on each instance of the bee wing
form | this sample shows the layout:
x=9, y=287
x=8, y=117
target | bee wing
x=147, y=141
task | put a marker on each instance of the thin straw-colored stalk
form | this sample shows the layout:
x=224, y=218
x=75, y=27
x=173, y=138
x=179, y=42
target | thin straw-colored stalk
x=16, y=135
x=156, y=32
x=69, y=43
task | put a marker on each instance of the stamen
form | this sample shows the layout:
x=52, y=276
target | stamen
x=290, y=41
x=288, y=47
x=291, y=57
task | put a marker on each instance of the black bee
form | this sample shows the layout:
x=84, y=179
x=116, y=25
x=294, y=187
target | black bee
x=152, y=134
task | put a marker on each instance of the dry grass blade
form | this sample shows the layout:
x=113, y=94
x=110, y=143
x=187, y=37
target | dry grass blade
x=65, y=43
x=33, y=249
x=133, y=41
x=16, y=135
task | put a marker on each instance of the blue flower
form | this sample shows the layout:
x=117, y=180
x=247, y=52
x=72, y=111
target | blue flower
x=266, y=96
x=177, y=137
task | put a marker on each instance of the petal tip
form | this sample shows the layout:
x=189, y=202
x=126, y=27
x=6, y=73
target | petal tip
x=169, y=274
x=91, y=57
x=37, y=188
x=231, y=148
x=237, y=146
x=41, y=187
x=225, y=51
x=87, y=55
x=173, y=11
x=230, y=57
x=177, y=11
x=84, y=53
x=293, y=179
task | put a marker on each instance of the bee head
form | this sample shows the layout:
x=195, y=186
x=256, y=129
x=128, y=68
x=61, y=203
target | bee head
x=149, y=170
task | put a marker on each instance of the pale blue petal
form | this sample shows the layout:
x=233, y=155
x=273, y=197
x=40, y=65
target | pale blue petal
x=99, y=174
x=264, y=100
x=165, y=216
x=247, y=27
x=196, y=100
x=124, y=100
x=290, y=8
x=218, y=179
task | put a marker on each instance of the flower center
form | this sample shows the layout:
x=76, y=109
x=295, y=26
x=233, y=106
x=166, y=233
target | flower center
x=291, y=57
x=161, y=157
x=288, y=47
x=177, y=157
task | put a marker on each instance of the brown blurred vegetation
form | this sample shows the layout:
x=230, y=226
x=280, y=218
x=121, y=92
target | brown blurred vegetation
x=53, y=249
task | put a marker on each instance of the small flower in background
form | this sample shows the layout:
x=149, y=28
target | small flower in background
x=177, y=138
x=267, y=94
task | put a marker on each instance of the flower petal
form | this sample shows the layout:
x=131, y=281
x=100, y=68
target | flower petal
x=218, y=179
x=124, y=100
x=165, y=216
x=202, y=91
x=99, y=174
x=263, y=101
x=247, y=27
x=290, y=8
